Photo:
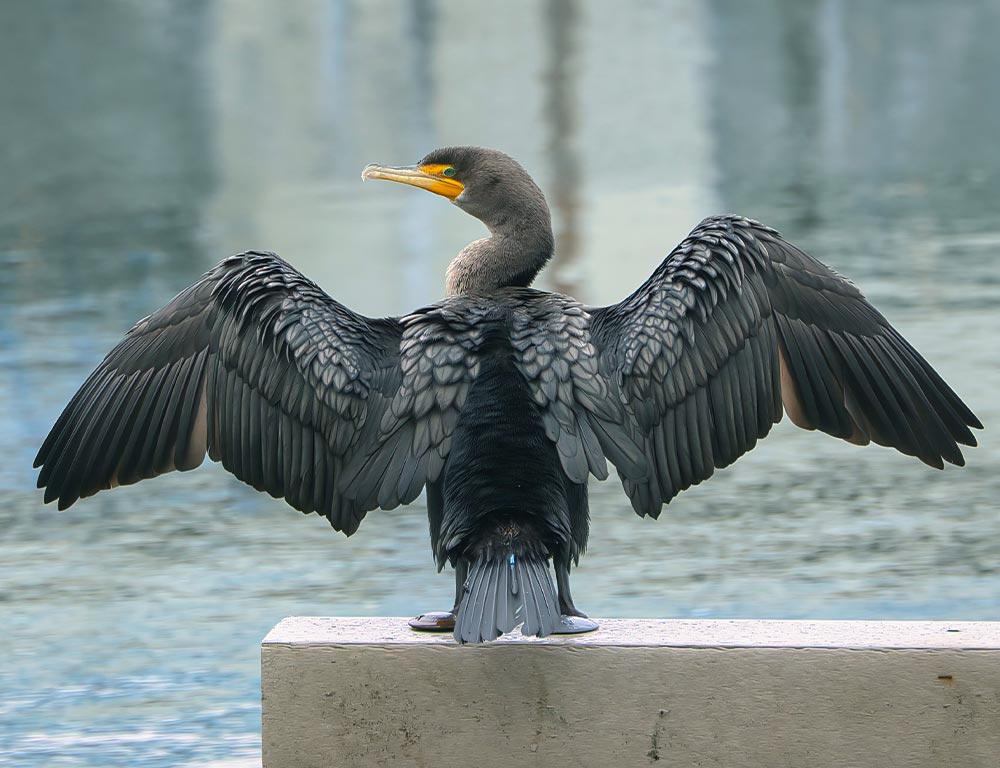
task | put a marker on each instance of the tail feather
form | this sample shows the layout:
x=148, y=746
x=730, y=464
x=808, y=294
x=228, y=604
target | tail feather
x=476, y=620
x=488, y=613
x=538, y=594
x=507, y=604
x=502, y=591
x=467, y=631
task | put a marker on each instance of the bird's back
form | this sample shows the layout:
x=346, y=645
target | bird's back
x=503, y=474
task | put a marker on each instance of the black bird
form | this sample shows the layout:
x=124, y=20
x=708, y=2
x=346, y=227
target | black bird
x=500, y=399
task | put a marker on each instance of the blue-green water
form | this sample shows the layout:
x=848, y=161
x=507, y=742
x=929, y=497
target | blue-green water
x=140, y=142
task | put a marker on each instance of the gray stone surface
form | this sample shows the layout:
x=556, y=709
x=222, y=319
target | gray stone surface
x=773, y=694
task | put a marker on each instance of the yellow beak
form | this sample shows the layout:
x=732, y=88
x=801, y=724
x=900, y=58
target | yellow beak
x=425, y=176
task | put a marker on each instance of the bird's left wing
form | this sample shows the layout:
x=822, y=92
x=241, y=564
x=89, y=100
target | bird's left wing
x=254, y=364
x=737, y=323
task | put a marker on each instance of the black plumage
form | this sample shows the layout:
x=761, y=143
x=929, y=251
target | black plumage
x=499, y=399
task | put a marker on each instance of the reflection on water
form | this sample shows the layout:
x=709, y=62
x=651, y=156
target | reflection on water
x=141, y=142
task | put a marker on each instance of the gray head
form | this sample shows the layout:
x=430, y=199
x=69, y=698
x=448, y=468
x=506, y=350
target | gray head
x=495, y=189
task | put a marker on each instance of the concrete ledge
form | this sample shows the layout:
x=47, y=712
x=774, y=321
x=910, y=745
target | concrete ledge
x=773, y=694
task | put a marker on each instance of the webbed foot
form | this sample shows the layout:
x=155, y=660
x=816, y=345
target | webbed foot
x=574, y=625
x=435, y=621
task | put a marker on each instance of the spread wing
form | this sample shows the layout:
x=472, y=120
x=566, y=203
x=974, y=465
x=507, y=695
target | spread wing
x=256, y=366
x=737, y=324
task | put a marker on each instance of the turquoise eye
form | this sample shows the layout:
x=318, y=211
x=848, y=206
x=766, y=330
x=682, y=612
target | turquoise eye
x=448, y=171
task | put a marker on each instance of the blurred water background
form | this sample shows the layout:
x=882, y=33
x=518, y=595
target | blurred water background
x=141, y=142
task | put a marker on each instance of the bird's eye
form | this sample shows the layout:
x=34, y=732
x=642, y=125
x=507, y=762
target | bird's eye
x=449, y=171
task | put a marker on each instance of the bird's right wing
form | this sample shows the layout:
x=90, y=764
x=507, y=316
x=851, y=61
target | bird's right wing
x=737, y=323
x=294, y=393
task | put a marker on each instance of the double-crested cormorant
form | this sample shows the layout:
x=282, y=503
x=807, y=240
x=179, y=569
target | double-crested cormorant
x=500, y=399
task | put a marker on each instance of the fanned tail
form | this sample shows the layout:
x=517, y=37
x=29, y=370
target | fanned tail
x=503, y=590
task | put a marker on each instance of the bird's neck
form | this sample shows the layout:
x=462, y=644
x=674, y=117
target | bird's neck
x=512, y=256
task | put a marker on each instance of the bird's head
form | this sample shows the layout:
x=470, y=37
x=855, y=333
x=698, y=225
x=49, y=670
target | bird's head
x=495, y=189
x=483, y=182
